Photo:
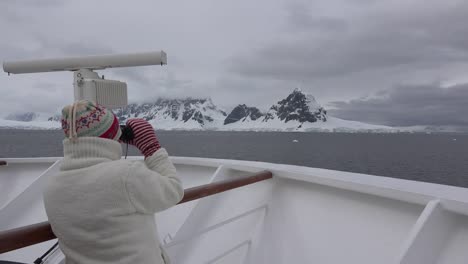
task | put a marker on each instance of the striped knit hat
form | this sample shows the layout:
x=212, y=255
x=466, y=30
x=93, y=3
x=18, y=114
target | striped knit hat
x=88, y=119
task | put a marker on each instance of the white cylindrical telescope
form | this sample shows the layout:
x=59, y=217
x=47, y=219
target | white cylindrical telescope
x=86, y=62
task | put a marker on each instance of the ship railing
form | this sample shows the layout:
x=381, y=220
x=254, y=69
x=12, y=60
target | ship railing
x=37, y=233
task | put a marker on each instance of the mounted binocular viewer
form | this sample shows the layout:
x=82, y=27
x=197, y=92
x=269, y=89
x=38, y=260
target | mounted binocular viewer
x=87, y=84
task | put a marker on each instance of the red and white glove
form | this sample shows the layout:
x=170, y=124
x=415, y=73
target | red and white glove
x=144, y=137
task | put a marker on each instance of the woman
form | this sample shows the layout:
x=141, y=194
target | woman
x=100, y=206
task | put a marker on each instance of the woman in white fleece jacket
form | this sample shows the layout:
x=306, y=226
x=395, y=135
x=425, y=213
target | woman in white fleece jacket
x=101, y=207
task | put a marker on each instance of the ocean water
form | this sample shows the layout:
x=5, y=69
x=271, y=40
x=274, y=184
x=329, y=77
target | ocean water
x=437, y=158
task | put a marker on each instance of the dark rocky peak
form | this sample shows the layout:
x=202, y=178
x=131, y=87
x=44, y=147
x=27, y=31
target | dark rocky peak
x=297, y=106
x=241, y=113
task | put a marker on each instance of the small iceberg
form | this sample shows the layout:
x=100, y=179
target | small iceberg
x=295, y=140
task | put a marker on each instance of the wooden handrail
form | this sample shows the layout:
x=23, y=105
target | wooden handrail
x=3, y=163
x=25, y=236
x=198, y=192
x=33, y=234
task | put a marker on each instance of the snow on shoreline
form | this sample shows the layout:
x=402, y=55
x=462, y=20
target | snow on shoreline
x=331, y=125
x=33, y=125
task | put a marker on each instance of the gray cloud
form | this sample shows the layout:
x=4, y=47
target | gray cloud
x=413, y=38
x=31, y=3
x=80, y=48
x=44, y=48
x=300, y=19
x=429, y=105
x=136, y=75
x=17, y=12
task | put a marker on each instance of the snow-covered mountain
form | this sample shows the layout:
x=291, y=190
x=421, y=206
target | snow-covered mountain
x=29, y=125
x=184, y=114
x=55, y=117
x=30, y=120
x=296, y=112
x=23, y=117
x=295, y=107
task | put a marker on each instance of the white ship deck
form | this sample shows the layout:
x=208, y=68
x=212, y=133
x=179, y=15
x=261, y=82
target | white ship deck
x=302, y=215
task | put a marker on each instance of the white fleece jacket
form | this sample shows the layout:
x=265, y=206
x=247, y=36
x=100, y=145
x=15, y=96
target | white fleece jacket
x=102, y=207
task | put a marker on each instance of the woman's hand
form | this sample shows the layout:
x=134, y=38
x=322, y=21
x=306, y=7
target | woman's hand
x=144, y=137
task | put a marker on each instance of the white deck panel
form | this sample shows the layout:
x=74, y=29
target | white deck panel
x=455, y=248
x=16, y=177
x=310, y=223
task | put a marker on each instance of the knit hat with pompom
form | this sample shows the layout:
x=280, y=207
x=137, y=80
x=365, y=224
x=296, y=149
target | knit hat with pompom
x=87, y=119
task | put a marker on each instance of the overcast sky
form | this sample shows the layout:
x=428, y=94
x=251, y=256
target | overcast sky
x=373, y=61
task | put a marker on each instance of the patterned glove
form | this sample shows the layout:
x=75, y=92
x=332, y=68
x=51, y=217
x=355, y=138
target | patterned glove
x=144, y=137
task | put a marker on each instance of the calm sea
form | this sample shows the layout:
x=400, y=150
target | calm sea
x=438, y=158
